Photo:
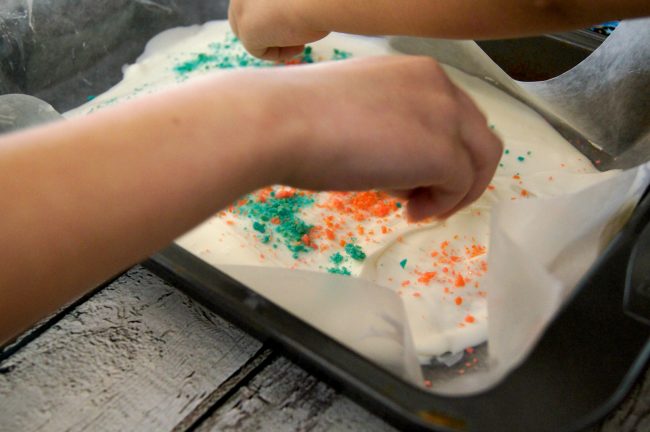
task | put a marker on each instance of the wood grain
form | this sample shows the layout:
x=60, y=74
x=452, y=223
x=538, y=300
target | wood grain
x=283, y=397
x=41, y=326
x=137, y=356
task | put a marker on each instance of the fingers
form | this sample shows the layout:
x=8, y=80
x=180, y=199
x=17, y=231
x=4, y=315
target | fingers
x=473, y=167
x=484, y=149
x=457, y=178
x=432, y=148
x=270, y=31
x=232, y=19
x=277, y=53
x=420, y=205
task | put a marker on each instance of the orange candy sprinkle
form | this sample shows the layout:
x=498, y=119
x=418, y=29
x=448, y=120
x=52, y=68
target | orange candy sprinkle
x=458, y=301
x=460, y=281
x=475, y=250
x=426, y=277
x=470, y=319
x=285, y=193
x=362, y=205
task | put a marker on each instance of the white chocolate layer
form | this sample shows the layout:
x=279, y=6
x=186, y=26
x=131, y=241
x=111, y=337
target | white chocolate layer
x=436, y=267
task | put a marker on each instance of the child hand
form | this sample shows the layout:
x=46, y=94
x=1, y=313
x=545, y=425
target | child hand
x=269, y=30
x=392, y=123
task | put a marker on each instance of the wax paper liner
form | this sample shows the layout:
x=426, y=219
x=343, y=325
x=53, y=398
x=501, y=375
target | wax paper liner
x=532, y=271
x=604, y=99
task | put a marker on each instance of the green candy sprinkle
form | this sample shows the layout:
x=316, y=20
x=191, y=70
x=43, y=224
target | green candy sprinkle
x=403, y=263
x=355, y=252
x=339, y=270
x=340, y=54
x=291, y=227
x=337, y=258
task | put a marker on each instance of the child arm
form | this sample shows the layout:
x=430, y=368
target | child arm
x=85, y=198
x=273, y=30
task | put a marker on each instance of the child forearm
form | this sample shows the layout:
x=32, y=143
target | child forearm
x=85, y=198
x=468, y=19
x=270, y=29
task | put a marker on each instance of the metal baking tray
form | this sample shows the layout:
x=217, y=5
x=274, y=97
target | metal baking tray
x=584, y=365
x=64, y=51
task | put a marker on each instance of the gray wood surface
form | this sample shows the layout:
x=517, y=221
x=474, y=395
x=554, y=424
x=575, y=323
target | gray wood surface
x=137, y=356
x=140, y=356
x=283, y=397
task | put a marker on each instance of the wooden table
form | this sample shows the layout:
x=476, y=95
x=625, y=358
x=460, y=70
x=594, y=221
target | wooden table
x=139, y=355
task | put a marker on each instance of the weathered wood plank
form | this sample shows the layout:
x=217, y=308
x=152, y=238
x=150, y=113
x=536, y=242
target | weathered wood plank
x=283, y=397
x=225, y=390
x=41, y=326
x=141, y=356
x=137, y=356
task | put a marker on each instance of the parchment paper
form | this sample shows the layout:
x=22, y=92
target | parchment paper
x=531, y=271
x=605, y=99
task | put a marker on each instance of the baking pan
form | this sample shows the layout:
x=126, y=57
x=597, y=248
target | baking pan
x=585, y=363
x=583, y=366
x=542, y=57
